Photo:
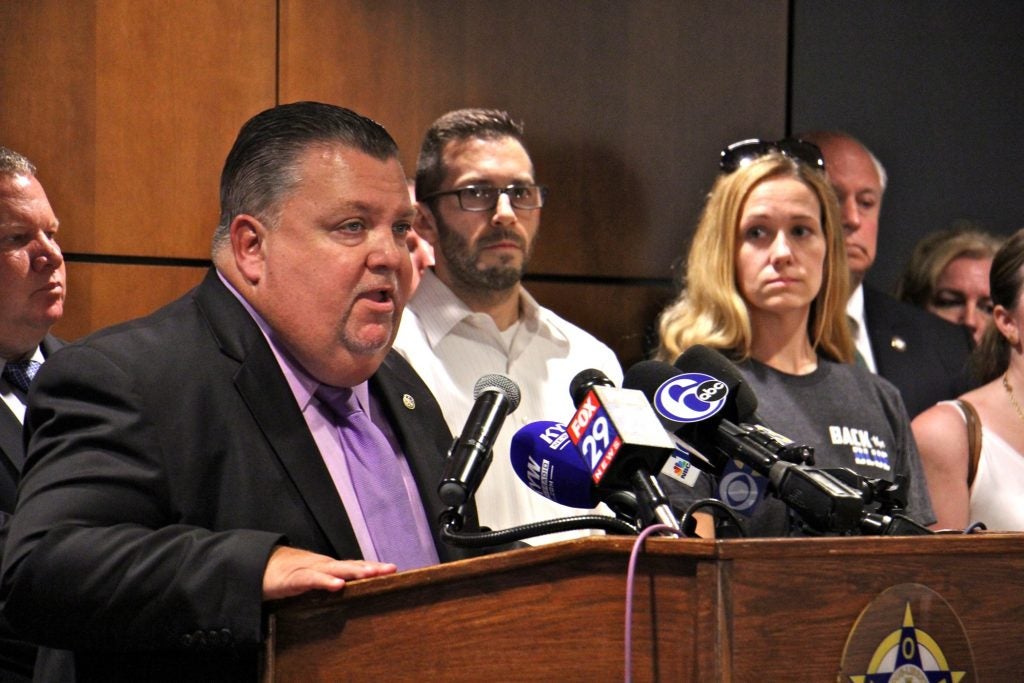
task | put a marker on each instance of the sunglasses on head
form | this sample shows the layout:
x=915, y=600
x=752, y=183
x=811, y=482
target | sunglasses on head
x=745, y=151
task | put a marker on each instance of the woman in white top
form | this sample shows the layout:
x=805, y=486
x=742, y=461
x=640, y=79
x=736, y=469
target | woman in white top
x=986, y=485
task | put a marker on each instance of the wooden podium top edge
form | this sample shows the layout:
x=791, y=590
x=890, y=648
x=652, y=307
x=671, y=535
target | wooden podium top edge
x=689, y=549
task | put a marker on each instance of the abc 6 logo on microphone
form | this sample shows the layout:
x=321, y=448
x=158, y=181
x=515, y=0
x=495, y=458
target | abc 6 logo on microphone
x=691, y=397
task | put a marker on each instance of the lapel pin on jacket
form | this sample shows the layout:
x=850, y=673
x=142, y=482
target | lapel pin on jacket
x=408, y=401
x=898, y=343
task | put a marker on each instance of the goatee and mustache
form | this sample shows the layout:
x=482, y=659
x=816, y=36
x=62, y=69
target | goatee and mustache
x=462, y=259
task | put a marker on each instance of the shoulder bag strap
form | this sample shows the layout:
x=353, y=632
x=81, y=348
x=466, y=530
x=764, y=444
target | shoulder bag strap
x=973, y=438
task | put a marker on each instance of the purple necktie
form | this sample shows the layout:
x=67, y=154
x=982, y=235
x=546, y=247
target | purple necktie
x=21, y=372
x=377, y=479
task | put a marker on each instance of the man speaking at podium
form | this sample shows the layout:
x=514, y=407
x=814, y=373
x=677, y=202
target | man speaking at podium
x=254, y=440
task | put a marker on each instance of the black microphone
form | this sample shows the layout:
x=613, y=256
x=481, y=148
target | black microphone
x=584, y=381
x=743, y=408
x=701, y=396
x=470, y=454
x=621, y=442
x=689, y=406
x=704, y=401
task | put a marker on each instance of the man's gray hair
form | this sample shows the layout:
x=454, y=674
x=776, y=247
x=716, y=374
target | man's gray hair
x=820, y=137
x=12, y=164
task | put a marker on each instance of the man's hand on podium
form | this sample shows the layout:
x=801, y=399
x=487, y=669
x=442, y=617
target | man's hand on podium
x=291, y=571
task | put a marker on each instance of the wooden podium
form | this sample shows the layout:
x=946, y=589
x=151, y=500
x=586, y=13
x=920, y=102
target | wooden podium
x=733, y=610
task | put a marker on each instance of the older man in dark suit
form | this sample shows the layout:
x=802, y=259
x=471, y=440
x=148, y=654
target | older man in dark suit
x=923, y=355
x=32, y=289
x=254, y=440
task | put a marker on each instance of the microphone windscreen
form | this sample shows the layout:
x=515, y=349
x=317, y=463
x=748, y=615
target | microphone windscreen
x=648, y=375
x=545, y=459
x=584, y=381
x=501, y=383
x=669, y=392
x=700, y=358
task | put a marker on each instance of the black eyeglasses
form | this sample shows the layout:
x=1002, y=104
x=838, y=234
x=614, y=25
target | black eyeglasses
x=745, y=151
x=485, y=197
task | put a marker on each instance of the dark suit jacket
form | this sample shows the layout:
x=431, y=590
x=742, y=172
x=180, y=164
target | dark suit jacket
x=922, y=354
x=12, y=447
x=16, y=657
x=167, y=458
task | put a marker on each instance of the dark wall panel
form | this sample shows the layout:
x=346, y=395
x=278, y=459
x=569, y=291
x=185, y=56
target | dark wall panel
x=128, y=109
x=936, y=89
x=626, y=105
x=100, y=294
x=48, y=106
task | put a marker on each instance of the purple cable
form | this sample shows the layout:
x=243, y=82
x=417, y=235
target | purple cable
x=629, y=591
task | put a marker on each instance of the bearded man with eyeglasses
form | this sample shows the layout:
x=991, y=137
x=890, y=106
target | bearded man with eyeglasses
x=479, y=206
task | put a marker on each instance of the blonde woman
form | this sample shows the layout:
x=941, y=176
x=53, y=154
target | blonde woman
x=948, y=275
x=767, y=284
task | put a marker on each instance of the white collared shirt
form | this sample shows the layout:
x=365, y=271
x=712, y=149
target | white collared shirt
x=451, y=347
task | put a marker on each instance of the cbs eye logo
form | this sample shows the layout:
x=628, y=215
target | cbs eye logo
x=690, y=397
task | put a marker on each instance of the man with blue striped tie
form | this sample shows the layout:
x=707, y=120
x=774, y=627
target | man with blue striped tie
x=33, y=285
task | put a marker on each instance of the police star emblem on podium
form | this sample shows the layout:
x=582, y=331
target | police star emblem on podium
x=908, y=655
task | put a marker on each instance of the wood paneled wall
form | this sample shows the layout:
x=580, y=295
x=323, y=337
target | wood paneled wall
x=128, y=107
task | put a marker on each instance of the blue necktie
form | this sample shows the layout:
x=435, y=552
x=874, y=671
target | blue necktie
x=20, y=373
x=377, y=479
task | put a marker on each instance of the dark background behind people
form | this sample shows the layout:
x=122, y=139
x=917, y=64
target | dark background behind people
x=918, y=83
x=138, y=113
